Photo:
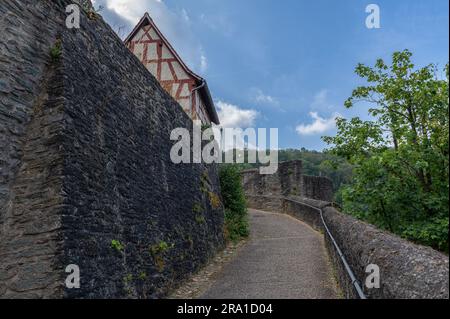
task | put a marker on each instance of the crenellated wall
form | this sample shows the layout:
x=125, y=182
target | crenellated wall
x=85, y=170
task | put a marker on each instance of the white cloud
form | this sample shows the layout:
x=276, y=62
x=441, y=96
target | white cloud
x=175, y=25
x=319, y=126
x=185, y=15
x=259, y=97
x=321, y=103
x=320, y=98
x=203, y=63
x=218, y=22
x=232, y=116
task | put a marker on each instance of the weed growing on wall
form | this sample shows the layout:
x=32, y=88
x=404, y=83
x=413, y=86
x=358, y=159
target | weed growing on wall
x=117, y=245
x=56, y=51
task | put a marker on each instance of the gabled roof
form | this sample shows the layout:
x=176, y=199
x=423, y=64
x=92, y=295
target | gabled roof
x=201, y=82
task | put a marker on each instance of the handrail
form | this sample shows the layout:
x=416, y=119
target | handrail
x=355, y=282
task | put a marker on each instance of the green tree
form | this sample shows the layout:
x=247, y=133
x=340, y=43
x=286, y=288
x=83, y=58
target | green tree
x=236, y=219
x=400, y=156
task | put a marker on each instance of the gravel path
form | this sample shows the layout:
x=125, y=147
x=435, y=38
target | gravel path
x=284, y=259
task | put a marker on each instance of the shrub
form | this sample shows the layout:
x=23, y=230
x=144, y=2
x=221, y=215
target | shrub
x=56, y=51
x=236, y=219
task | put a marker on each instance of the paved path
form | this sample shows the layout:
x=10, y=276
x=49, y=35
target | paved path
x=284, y=259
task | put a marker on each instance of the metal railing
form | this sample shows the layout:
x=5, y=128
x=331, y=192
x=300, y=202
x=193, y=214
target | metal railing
x=347, y=267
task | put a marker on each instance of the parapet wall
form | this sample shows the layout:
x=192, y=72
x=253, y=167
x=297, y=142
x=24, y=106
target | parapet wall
x=407, y=270
x=86, y=176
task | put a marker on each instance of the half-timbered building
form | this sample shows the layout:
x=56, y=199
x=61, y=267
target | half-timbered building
x=156, y=53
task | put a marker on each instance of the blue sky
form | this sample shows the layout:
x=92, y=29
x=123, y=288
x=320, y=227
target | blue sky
x=288, y=64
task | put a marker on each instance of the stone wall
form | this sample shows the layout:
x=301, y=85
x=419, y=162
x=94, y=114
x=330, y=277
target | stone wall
x=407, y=270
x=31, y=161
x=315, y=187
x=85, y=163
x=288, y=181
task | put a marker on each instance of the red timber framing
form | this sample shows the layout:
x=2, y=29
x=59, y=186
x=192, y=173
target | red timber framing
x=190, y=90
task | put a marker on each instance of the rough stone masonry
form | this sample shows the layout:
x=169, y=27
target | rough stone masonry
x=288, y=181
x=85, y=170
